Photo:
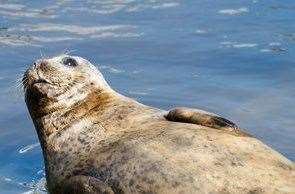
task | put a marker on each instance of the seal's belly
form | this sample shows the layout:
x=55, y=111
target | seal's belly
x=186, y=158
x=141, y=161
x=166, y=157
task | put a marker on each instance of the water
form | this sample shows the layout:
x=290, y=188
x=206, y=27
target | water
x=235, y=58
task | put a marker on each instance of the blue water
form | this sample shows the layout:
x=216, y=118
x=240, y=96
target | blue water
x=235, y=58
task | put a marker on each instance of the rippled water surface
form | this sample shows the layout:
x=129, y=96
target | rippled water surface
x=235, y=58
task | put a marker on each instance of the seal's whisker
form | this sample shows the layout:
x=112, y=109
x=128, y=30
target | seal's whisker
x=18, y=85
x=22, y=71
x=41, y=54
x=18, y=81
x=20, y=77
x=17, y=88
x=67, y=52
x=64, y=52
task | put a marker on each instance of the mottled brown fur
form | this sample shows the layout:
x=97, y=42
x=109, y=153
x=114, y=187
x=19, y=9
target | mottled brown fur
x=105, y=142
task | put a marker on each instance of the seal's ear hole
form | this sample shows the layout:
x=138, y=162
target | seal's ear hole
x=68, y=61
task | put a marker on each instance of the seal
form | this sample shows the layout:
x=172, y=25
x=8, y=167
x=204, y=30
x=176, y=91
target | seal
x=95, y=140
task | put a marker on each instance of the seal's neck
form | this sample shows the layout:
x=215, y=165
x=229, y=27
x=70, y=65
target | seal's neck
x=62, y=114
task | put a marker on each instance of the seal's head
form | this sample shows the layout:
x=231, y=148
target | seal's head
x=60, y=81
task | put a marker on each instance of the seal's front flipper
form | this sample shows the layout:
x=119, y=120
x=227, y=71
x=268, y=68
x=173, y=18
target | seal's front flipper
x=199, y=117
x=85, y=185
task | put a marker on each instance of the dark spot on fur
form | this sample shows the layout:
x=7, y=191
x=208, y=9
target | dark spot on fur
x=77, y=172
x=131, y=183
x=183, y=141
x=284, y=166
x=148, y=180
x=175, y=184
x=256, y=191
x=218, y=164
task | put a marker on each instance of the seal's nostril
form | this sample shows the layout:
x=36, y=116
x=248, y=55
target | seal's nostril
x=43, y=63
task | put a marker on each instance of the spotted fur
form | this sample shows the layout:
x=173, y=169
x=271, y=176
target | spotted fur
x=95, y=140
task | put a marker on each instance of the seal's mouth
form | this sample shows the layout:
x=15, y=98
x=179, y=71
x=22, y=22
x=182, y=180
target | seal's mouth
x=29, y=82
x=40, y=80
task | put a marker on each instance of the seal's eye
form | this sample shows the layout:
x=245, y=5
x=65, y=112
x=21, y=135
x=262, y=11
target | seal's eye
x=69, y=62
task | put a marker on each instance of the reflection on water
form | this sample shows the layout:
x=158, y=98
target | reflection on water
x=235, y=58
